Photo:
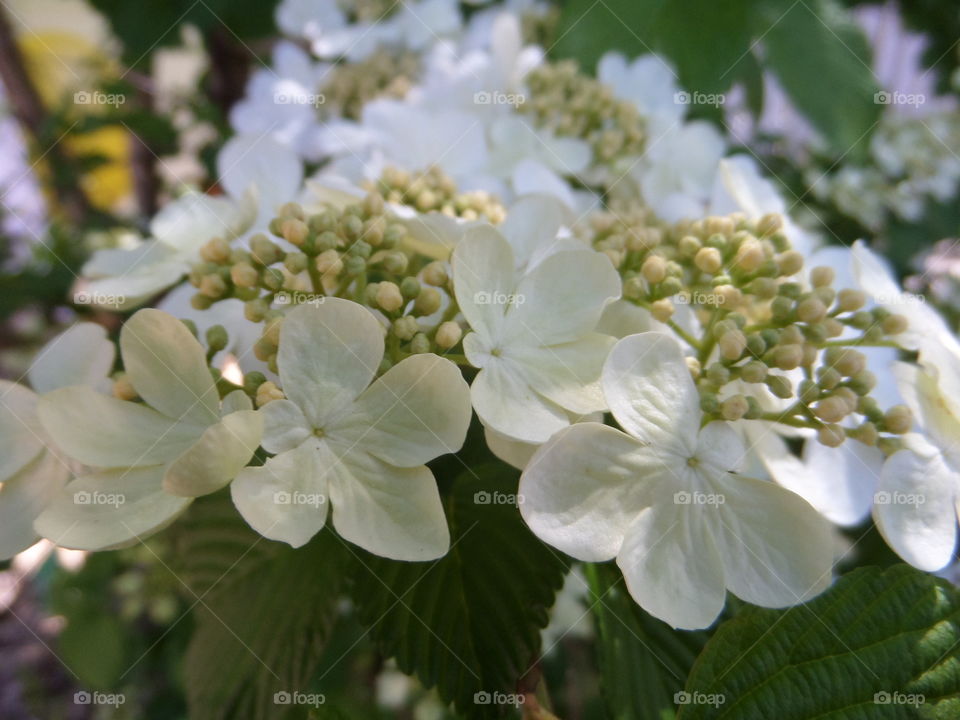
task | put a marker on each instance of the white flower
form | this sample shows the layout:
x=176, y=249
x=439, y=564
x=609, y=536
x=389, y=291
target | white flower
x=533, y=335
x=152, y=458
x=649, y=82
x=916, y=504
x=257, y=173
x=31, y=469
x=664, y=500
x=357, y=446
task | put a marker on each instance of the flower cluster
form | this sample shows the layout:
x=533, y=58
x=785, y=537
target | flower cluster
x=689, y=385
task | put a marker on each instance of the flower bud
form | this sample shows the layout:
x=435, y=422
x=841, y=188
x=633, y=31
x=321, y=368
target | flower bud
x=850, y=300
x=654, y=269
x=213, y=286
x=420, y=344
x=769, y=224
x=255, y=310
x=821, y=276
x=448, y=335
x=708, y=260
x=732, y=345
x=217, y=338
x=811, y=310
x=790, y=262
x=215, y=250
x=898, y=420
x=831, y=435
x=428, y=301
x=734, y=408
x=894, y=324
x=866, y=433
x=832, y=409
x=244, y=275
x=294, y=231
x=389, y=296
x=662, y=310
x=329, y=263
x=750, y=256
x=295, y=262
x=267, y=393
x=253, y=380
x=753, y=372
x=779, y=386
x=405, y=327
x=123, y=389
x=718, y=374
x=788, y=357
x=435, y=274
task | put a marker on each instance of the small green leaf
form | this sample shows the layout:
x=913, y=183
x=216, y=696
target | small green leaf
x=879, y=644
x=470, y=622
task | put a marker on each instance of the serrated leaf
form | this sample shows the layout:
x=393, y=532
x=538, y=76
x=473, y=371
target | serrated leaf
x=879, y=644
x=643, y=662
x=263, y=614
x=822, y=59
x=470, y=622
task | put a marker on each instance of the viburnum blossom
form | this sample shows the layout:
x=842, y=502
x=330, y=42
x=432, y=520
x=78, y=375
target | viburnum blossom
x=354, y=446
x=151, y=459
x=533, y=335
x=32, y=469
x=665, y=500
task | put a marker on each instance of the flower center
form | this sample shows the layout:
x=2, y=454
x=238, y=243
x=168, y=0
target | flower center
x=693, y=461
x=319, y=432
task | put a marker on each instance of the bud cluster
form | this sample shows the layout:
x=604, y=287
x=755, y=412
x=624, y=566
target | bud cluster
x=385, y=74
x=434, y=191
x=358, y=252
x=768, y=334
x=571, y=104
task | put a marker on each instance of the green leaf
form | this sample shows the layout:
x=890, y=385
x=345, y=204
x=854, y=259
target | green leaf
x=263, y=612
x=643, y=662
x=588, y=28
x=878, y=644
x=469, y=622
x=822, y=59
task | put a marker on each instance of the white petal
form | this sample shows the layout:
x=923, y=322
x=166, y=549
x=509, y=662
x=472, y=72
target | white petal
x=777, y=550
x=568, y=374
x=584, y=488
x=222, y=451
x=392, y=512
x=192, y=219
x=286, y=498
x=21, y=436
x=915, y=508
x=650, y=392
x=103, y=431
x=81, y=355
x=284, y=426
x=110, y=509
x=533, y=222
x=417, y=410
x=235, y=402
x=23, y=497
x=512, y=452
x=720, y=447
x=672, y=566
x=483, y=278
x=261, y=162
x=328, y=355
x=505, y=402
x=563, y=297
x=168, y=367
x=130, y=289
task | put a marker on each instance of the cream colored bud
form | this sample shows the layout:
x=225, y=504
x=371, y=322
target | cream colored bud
x=329, y=262
x=898, y=420
x=389, y=296
x=790, y=262
x=750, y=255
x=732, y=345
x=822, y=276
x=754, y=372
x=728, y=295
x=866, y=433
x=244, y=275
x=216, y=250
x=123, y=388
x=267, y=393
x=788, y=357
x=654, y=269
x=850, y=300
x=428, y=301
x=662, y=310
x=709, y=260
x=769, y=224
x=833, y=327
x=435, y=274
x=693, y=365
x=294, y=231
x=734, y=408
x=212, y=286
x=811, y=310
x=831, y=435
x=894, y=324
x=832, y=409
x=448, y=335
